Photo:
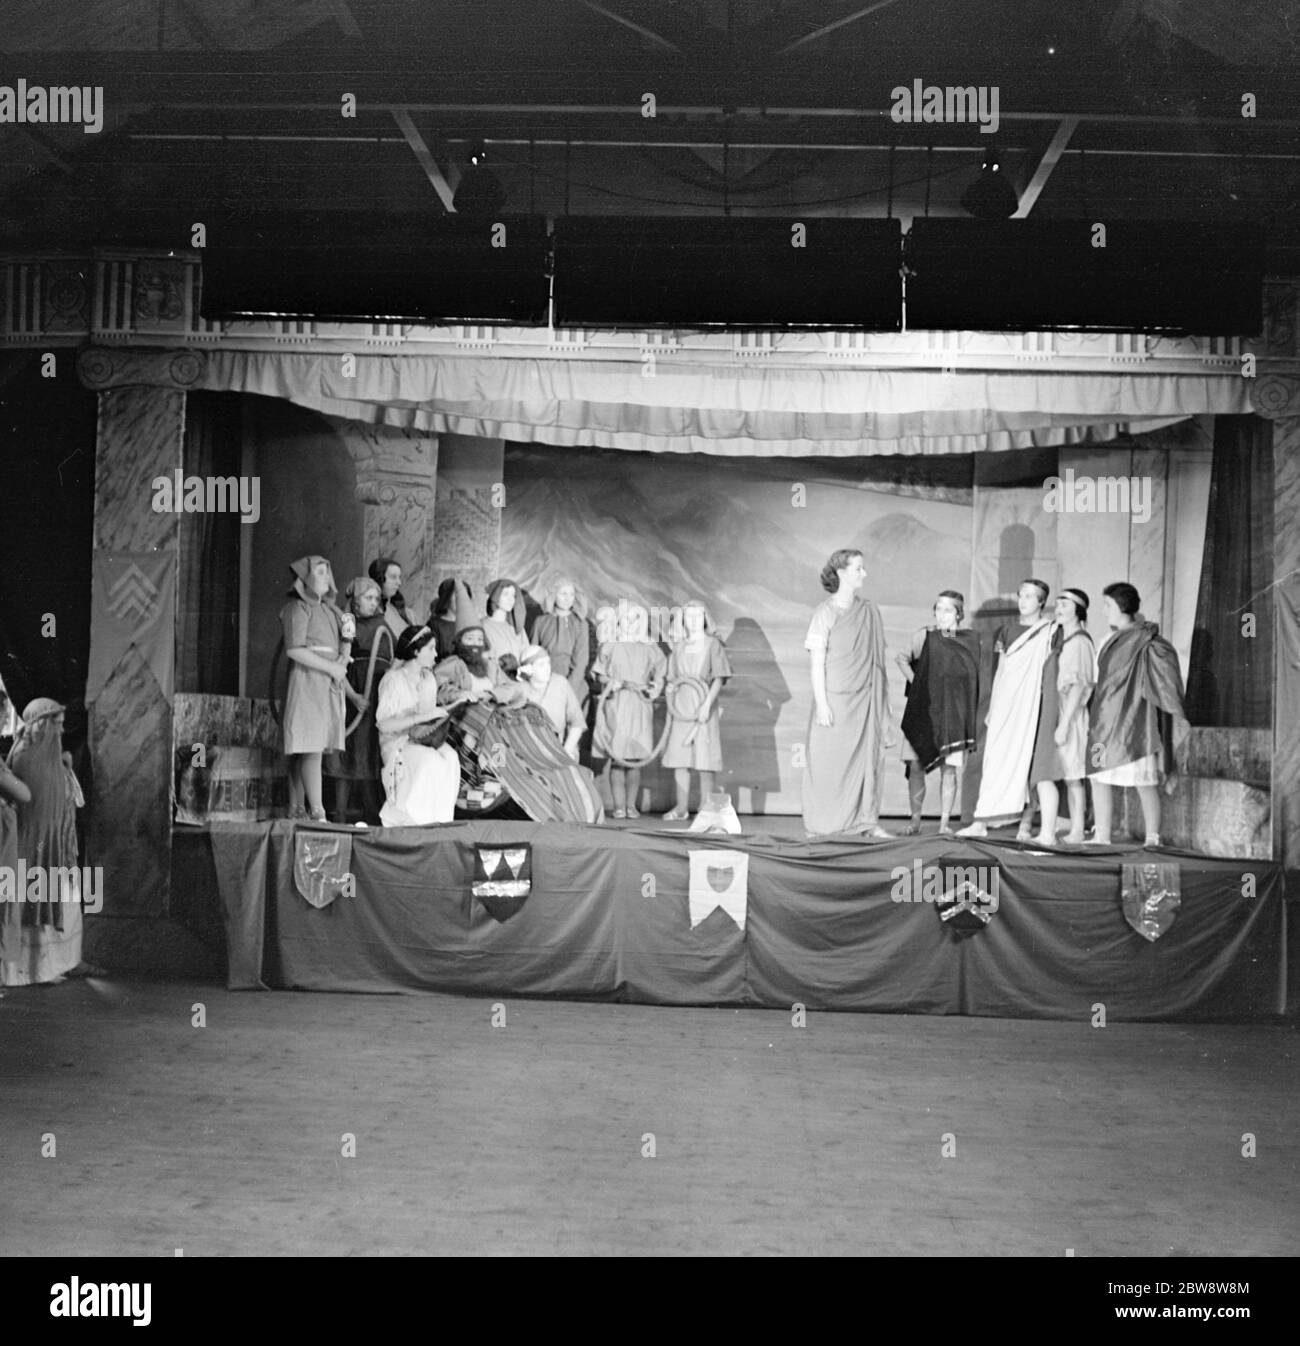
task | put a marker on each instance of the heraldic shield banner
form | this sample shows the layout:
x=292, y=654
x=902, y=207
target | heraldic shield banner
x=1151, y=895
x=503, y=877
x=322, y=866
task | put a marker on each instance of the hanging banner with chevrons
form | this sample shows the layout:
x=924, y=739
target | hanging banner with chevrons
x=133, y=605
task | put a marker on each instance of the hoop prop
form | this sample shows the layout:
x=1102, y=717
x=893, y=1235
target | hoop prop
x=279, y=658
x=674, y=690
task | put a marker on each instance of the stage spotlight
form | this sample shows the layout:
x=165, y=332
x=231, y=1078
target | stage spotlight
x=990, y=196
x=480, y=191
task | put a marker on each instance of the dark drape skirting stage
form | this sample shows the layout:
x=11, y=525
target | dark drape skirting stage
x=609, y=917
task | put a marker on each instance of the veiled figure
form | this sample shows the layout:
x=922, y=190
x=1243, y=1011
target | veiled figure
x=40, y=942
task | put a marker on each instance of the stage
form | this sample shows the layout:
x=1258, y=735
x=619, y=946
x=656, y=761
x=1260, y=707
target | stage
x=648, y=913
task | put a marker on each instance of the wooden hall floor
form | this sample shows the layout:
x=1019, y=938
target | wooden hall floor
x=528, y=1138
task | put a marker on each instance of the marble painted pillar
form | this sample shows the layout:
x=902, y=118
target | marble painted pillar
x=1286, y=638
x=139, y=438
x=1276, y=396
x=396, y=471
x=471, y=502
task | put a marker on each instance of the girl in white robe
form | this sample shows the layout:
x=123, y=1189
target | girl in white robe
x=420, y=783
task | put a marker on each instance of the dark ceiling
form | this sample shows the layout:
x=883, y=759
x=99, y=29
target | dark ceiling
x=1109, y=109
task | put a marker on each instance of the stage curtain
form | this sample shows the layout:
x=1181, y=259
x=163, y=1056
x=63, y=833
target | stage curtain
x=208, y=616
x=1230, y=678
x=47, y=501
x=742, y=410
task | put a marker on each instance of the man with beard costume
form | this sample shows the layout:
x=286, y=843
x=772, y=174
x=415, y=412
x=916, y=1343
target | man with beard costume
x=501, y=734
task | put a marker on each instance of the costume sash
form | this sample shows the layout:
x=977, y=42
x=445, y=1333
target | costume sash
x=1013, y=724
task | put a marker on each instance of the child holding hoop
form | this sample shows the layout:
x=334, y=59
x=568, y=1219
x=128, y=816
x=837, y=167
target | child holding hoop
x=632, y=669
x=697, y=668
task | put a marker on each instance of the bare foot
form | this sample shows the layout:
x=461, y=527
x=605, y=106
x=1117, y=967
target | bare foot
x=1041, y=840
x=974, y=830
x=1070, y=839
x=909, y=829
x=945, y=830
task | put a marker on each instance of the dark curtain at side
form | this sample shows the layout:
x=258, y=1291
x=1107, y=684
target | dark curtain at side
x=47, y=505
x=207, y=654
x=1230, y=681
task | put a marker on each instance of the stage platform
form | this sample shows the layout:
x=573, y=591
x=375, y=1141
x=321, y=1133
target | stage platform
x=649, y=913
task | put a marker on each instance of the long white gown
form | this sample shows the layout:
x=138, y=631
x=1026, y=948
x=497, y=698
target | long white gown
x=420, y=783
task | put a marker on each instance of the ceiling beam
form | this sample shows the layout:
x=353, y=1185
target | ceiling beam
x=382, y=75
x=426, y=160
x=826, y=28
x=343, y=17
x=646, y=33
x=45, y=147
x=1043, y=170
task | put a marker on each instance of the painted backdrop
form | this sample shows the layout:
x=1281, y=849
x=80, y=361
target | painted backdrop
x=749, y=536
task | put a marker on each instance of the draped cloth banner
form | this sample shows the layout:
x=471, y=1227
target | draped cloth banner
x=1151, y=894
x=133, y=600
x=719, y=879
x=822, y=924
x=322, y=866
x=690, y=406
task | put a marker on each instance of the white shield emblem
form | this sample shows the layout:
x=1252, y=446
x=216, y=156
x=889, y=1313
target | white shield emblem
x=719, y=879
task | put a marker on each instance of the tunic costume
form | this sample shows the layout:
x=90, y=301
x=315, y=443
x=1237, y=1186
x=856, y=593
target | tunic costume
x=560, y=703
x=314, y=706
x=444, y=633
x=1067, y=666
x=1138, y=696
x=41, y=941
x=567, y=639
x=394, y=614
x=941, y=718
x=705, y=662
x=359, y=760
x=503, y=638
x=420, y=783
x=456, y=681
x=1013, y=719
x=842, y=774
x=625, y=726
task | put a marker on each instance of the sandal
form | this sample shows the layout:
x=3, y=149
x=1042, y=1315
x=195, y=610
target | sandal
x=631, y=812
x=677, y=815
x=619, y=813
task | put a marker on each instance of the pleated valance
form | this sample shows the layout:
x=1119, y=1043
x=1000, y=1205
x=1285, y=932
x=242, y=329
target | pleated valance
x=748, y=410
